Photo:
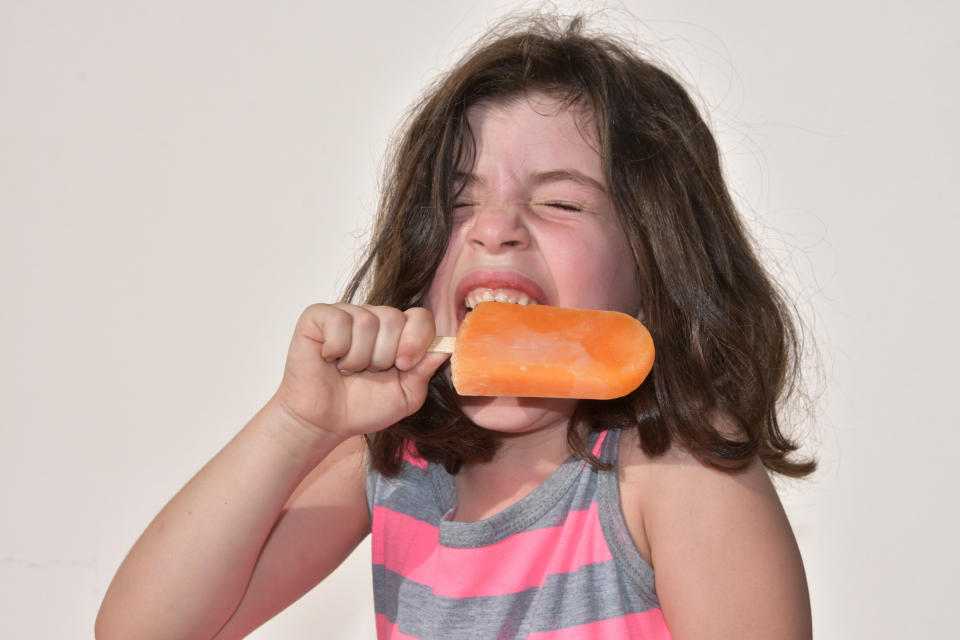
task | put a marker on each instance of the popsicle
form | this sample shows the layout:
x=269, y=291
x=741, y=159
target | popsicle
x=504, y=349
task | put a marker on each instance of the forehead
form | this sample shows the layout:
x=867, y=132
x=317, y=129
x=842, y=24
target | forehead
x=535, y=126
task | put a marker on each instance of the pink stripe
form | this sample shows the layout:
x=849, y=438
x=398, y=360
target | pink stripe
x=386, y=630
x=511, y=565
x=410, y=455
x=410, y=547
x=598, y=445
x=648, y=625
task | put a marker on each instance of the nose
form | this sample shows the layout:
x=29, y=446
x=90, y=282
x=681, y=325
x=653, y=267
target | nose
x=498, y=227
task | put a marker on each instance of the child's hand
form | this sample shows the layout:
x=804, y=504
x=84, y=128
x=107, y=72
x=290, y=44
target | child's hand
x=357, y=369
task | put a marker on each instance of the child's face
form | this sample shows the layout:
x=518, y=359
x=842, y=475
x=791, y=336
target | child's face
x=533, y=221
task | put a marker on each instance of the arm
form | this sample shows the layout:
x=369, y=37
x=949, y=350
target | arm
x=216, y=561
x=328, y=506
x=189, y=570
x=725, y=559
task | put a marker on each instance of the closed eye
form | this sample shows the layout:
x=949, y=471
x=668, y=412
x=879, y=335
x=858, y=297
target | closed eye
x=564, y=206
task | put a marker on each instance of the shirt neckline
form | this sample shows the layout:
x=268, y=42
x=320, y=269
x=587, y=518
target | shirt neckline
x=511, y=520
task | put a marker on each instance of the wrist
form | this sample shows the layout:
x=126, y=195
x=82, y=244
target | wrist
x=302, y=437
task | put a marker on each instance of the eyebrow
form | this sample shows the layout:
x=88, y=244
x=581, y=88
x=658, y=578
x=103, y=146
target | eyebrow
x=540, y=178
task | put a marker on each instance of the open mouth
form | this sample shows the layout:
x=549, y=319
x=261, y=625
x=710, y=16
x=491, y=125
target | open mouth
x=484, y=294
x=496, y=286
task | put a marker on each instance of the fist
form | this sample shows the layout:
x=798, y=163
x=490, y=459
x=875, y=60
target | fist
x=357, y=369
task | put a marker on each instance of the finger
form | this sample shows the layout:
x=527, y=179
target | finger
x=428, y=365
x=329, y=326
x=392, y=321
x=363, y=335
x=416, y=380
x=418, y=331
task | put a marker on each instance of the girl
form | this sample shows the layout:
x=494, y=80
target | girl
x=549, y=167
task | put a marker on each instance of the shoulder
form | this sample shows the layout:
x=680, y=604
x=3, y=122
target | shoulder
x=720, y=545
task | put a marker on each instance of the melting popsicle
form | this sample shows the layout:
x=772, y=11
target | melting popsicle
x=504, y=349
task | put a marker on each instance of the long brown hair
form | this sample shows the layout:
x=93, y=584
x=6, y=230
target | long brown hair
x=725, y=336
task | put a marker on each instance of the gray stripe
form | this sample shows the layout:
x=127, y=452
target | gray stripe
x=547, y=506
x=594, y=592
x=615, y=527
x=425, y=616
x=408, y=493
x=530, y=512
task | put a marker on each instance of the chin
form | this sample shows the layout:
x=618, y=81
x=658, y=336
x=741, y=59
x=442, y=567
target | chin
x=517, y=415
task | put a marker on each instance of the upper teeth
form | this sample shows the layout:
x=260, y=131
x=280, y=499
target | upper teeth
x=484, y=294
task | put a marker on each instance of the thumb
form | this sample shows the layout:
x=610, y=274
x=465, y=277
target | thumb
x=427, y=366
x=416, y=379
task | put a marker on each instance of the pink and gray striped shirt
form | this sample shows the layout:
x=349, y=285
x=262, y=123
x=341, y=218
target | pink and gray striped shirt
x=557, y=565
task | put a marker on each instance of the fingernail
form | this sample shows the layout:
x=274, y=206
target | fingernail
x=403, y=363
x=344, y=372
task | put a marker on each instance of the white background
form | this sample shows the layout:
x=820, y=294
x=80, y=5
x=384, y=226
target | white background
x=179, y=179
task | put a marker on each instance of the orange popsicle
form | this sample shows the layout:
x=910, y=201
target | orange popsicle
x=504, y=349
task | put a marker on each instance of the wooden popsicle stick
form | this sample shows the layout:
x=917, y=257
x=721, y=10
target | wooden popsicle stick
x=443, y=344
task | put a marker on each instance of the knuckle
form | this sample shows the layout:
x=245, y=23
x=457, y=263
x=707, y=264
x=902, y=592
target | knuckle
x=392, y=316
x=419, y=315
x=365, y=320
x=320, y=312
x=312, y=312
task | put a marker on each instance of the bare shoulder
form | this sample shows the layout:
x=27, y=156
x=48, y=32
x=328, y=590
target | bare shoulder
x=725, y=558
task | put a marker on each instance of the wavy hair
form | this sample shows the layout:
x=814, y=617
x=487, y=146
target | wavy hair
x=726, y=340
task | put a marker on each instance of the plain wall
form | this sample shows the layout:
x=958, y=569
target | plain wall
x=179, y=180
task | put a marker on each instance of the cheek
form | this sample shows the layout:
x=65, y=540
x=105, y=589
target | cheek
x=601, y=267
x=439, y=292
x=434, y=291
x=626, y=279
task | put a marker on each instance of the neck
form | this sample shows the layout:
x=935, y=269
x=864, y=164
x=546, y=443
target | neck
x=522, y=463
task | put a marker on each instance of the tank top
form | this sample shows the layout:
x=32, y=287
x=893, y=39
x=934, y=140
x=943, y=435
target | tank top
x=559, y=564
